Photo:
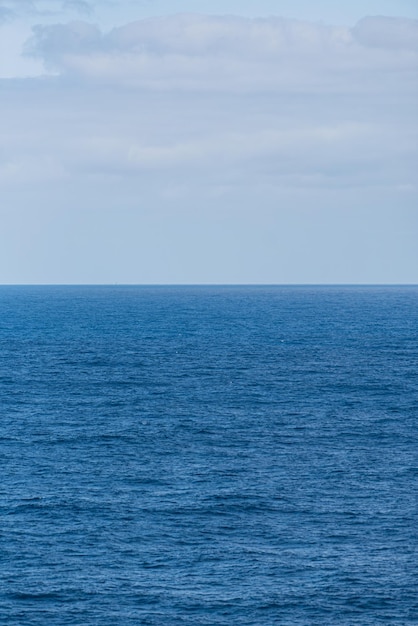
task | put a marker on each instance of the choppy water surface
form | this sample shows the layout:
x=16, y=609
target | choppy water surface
x=208, y=455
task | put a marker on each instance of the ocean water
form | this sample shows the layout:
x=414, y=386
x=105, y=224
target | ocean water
x=208, y=455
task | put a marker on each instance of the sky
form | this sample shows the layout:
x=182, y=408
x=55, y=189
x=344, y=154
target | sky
x=197, y=142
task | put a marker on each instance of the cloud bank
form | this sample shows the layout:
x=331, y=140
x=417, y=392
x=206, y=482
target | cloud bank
x=234, y=100
x=194, y=52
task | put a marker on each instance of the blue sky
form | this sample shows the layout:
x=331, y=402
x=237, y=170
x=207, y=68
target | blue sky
x=179, y=141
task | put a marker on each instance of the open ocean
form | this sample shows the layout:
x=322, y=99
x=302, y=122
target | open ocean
x=241, y=456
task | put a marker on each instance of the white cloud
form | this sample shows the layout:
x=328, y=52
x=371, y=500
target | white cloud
x=194, y=52
x=232, y=100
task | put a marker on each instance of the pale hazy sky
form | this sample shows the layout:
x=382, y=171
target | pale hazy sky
x=178, y=141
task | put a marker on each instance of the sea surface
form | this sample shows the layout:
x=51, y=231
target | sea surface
x=241, y=456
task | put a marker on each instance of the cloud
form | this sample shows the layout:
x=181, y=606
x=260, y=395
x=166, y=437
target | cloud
x=81, y=133
x=196, y=52
x=55, y=43
x=393, y=33
x=230, y=100
x=6, y=13
x=227, y=35
x=78, y=6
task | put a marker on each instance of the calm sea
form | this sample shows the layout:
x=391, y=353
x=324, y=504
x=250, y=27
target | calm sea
x=208, y=455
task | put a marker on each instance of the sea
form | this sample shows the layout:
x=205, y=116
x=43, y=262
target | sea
x=208, y=455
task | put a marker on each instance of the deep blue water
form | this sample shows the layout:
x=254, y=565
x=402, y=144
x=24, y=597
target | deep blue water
x=208, y=455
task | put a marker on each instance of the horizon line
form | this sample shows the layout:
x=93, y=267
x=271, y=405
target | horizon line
x=116, y=284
